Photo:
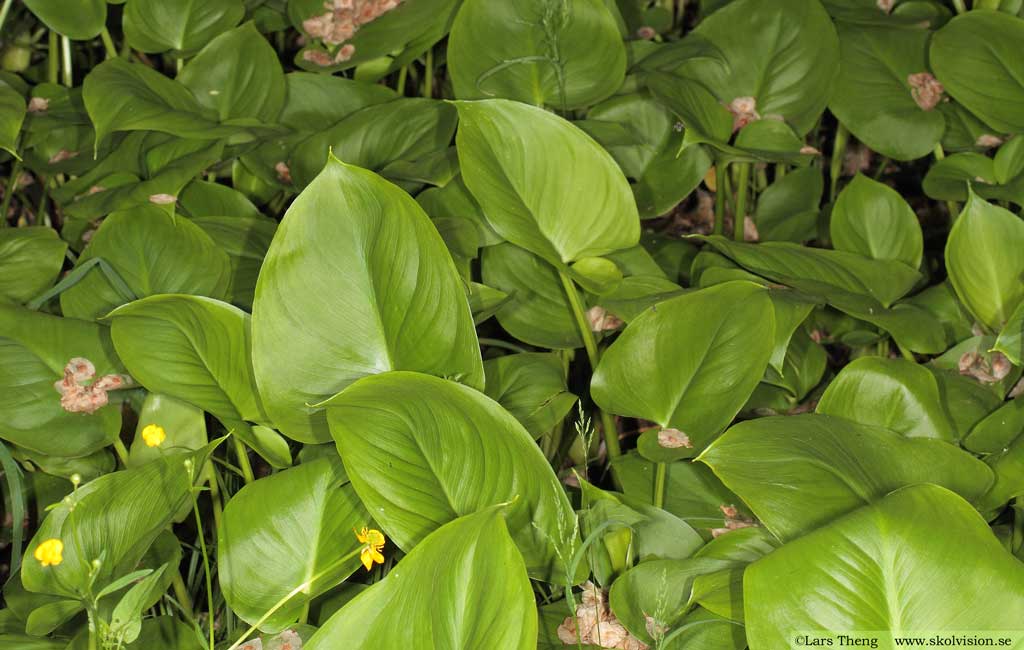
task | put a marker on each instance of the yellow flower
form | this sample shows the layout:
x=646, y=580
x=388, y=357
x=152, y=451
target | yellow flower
x=50, y=552
x=154, y=435
x=373, y=541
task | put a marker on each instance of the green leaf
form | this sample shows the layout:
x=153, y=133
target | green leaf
x=44, y=620
x=949, y=179
x=237, y=75
x=284, y=531
x=689, y=363
x=985, y=261
x=782, y=53
x=530, y=386
x=246, y=240
x=181, y=25
x=788, y=209
x=800, y=472
x=12, y=114
x=183, y=424
x=126, y=619
x=418, y=464
x=873, y=220
x=989, y=80
x=892, y=393
x=34, y=349
x=892, y=569
x=122, y=96
x=376, y=136
x=692, y=492
x=588, y=212
x=198, y=350
x=480, y=596
x=566, y=54
x=30, y=259
x=109, y=520
x=721, y=591
x=538, y=311
x=206, y=199
x=873, y=97
x=81, y=21
x=189, y=347
x=814, y=270
x=1009, y=160
x=401, y=306
x=1011, y=338
x=658, y=589
x=152, y=253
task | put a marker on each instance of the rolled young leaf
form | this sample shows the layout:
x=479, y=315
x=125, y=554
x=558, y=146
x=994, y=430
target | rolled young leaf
x=356, y=282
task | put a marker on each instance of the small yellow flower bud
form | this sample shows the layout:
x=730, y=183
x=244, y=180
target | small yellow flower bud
x=50, y=552
x=154, y=435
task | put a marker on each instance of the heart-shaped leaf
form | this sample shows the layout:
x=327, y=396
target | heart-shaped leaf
x=985, y=261
x=510, y=151
x=873, y=220
x=81, y=21
x=688, y=363
x=566, y=54
x=418, y=464
x=990, y=81
x=891, y=569
x=873, y=96
x=284, y=531
x=401, y=306
x=181, y=25
x=146, y=248
x=30, y=259
x=892, y=393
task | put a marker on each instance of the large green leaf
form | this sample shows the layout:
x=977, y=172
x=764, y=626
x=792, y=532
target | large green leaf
x=800, y=472
x=401, y=304
x=237, y=75
x=192, y=348
x=530, y=386
x=544, y=184
x=892, y=393
x=153, y=253
x=80, y=20
x=816, y=270
x=977, y=58
x=122, y=96
x=479, y=596
x=690, y=362
x=895, y=568
x=283, y=531
x=567, y=54
x=873, y=220
x=1011, y=338
x=12, y=114
x=198, y=350
x=419, y=463
x=34, y=348
x=781, y=53
x=181, y=25
x=985, y=261
x=538, y=311
x=114, y=519
x=30, y=259
x=873, y=97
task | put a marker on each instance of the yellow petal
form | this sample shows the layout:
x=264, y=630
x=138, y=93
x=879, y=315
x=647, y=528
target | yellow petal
x=366, y=557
